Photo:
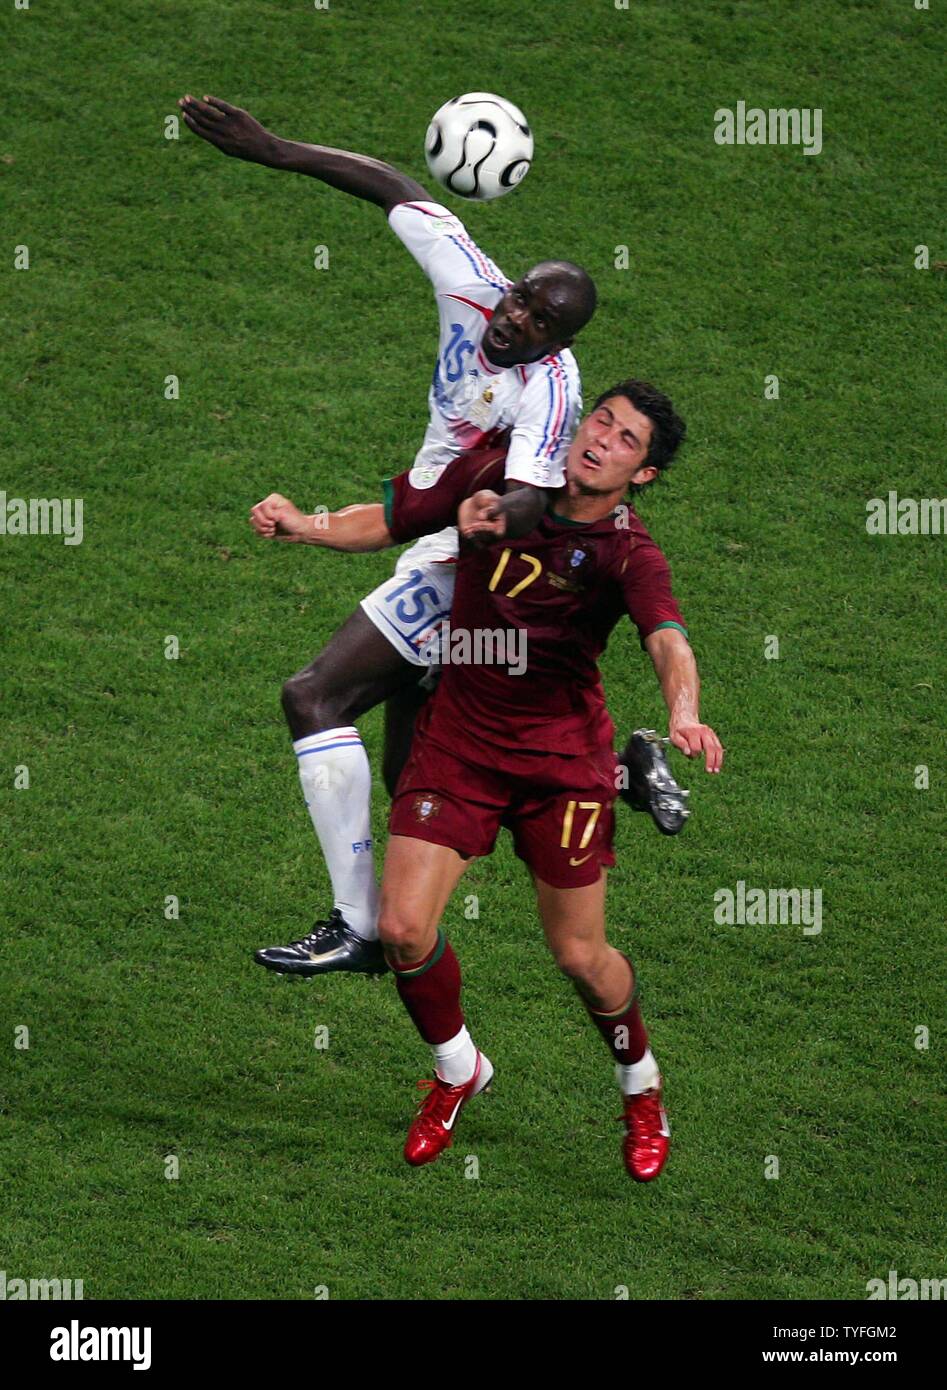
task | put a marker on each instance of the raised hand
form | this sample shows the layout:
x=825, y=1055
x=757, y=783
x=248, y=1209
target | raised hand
x=234, y=131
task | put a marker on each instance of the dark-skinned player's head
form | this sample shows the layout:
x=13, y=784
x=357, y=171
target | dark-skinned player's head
x=540, y=314
x=630, y=435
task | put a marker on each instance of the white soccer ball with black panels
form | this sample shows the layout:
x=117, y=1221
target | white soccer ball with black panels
x=479, y=146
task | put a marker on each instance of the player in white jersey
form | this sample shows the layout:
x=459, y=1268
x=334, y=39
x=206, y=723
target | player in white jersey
x=530, y=407
x=503, y=375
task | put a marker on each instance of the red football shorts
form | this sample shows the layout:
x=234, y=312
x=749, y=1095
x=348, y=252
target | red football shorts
x=558, y=807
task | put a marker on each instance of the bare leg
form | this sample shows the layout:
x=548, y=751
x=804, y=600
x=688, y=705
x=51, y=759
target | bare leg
x=415, y=889
x=574, y=923
x=401, y=711
x=418, y=881
x=356, y=670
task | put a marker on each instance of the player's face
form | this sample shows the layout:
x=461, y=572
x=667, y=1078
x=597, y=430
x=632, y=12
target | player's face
x=531, y=320
x=610, y=448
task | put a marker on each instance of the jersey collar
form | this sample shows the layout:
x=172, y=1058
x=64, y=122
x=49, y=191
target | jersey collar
x=569, y=521
x=485, y=365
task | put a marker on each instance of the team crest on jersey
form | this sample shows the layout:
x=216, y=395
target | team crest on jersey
x=577, y=559
x=425, y=808
x=479, y=411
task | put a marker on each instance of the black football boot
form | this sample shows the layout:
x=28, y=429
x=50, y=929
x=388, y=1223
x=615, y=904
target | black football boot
x=331, y=945
x=650, y=784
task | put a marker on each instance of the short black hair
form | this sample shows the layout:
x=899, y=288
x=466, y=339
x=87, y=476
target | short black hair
x=667, y=427
x=583, y=297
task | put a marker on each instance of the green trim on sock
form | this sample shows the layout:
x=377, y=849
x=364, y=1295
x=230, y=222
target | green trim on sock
x=421, y=969
x=617, y=1013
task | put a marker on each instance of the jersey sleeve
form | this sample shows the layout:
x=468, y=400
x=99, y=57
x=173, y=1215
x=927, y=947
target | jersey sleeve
x=646, y=588
x=423, y=499
x=443, y=248
x=548, y=413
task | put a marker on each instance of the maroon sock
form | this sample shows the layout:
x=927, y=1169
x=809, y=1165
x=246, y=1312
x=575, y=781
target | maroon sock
x=430, y=991
x=624, y=1031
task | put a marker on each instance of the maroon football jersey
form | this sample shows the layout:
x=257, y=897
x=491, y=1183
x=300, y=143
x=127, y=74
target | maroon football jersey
x=553, y=597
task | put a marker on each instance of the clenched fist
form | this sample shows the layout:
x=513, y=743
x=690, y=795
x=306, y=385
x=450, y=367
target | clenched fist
x=478, y=517
x=279, y=519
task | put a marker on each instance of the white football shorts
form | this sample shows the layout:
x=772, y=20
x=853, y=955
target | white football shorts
x=413, y=605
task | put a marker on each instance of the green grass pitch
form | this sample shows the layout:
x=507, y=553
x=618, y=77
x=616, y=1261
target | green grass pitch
x=151, y=777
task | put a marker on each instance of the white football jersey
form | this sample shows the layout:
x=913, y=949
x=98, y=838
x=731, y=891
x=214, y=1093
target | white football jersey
x=534, y=408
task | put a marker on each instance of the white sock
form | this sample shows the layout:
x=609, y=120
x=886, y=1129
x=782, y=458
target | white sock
x=337, y=784
x=456, y=1059
x=638, y=1076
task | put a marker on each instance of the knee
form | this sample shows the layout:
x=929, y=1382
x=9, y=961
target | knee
x=296, y=696
x=580, y=962
x=404, y=936
x=309, y=704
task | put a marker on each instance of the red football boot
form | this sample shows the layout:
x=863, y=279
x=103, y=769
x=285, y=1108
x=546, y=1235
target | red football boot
x=647, y=1136
x=432, y=1130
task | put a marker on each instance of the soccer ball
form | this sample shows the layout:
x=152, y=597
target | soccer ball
x=479, y=146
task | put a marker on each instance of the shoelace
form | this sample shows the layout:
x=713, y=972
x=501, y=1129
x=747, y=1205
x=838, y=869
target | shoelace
x=644, y=1121
x=321, y=931
x=428, y=1103
x=428, y=1086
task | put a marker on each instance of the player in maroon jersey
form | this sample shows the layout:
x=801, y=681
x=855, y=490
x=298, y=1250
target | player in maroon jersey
x=526, y=741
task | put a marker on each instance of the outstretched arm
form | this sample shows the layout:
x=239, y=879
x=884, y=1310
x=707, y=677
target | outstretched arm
x=676, y=670
x=235, y=132
x=357, y=528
